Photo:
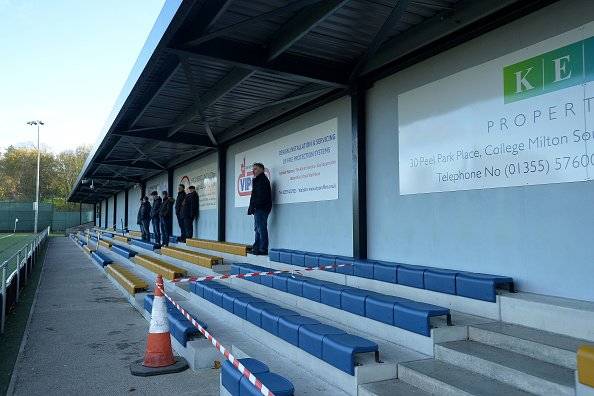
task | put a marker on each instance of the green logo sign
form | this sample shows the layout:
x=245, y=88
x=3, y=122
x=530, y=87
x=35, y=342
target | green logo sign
x=561, y=68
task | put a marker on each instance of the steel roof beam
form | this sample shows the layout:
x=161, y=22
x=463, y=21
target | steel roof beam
x=226, y=84
x=188, y=138
x=254, y=58
x=439, y=26
x=130, y=164
x=115, y=178
x=306, y=19
x=291, y=7
x=395, y=16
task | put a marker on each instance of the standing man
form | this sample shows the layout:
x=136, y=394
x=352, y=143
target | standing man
x=165, y=215
x=181, y=195
x=144, y=218
x=190, y=211
x=155, y=210
x=260, y=207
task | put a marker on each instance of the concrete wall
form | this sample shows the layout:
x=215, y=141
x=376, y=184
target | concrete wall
x=133, y=206
x=206, y=226
x=537, y=234
x=110, y=207
x=120, y=209
x=324, y=226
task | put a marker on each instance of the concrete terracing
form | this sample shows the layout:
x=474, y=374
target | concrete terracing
x=84, y=334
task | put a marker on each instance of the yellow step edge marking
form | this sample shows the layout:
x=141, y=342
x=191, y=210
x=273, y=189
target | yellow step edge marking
x=585, y=365
x=127, y=279
x=202, y=259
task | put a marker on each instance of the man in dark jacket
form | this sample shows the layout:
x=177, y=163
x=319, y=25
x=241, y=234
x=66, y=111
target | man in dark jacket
x=260, y=207
x=189, y=211
x=144, y=218
x=155, y=209
x=181, y=195
x=165, y=216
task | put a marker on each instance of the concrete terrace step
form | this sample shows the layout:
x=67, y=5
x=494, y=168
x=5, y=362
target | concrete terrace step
x=390, y=388
x=549, y=347
x=441, y=378
x=521, y=371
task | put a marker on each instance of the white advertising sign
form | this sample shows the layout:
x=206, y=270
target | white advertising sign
x=157, y=183
x=302, y=167
x=204, y=178
x=523, y=119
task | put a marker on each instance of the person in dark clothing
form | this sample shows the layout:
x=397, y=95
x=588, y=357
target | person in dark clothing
x=189, y=211
x=155, y=209
x=144, y=218
x=181, y=195
x=165, y=216
x=260, y=207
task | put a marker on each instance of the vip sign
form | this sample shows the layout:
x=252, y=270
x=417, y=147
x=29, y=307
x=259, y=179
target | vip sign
x=302, y=167
x=525, y=118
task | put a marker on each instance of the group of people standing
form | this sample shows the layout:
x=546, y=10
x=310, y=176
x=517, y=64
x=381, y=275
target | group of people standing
x=159, y=211
x=186, y=211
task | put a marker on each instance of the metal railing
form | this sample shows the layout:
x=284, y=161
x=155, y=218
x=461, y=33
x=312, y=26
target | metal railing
x=10, y=285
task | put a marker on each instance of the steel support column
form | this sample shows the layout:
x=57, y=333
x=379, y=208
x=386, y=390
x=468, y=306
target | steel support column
x=222, y=190
x=358, y=120
x=106, y=211
x=115, y=209
x=170, y=191
x=126, y=208
x=95, y=214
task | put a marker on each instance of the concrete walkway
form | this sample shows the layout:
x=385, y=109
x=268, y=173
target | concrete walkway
x=84, y=334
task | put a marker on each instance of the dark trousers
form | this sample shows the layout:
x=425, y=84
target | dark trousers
x=145, y=229
x=188, y=227
x=261, y=230
x=165, y=224
x=180, y=222
x=156, y=229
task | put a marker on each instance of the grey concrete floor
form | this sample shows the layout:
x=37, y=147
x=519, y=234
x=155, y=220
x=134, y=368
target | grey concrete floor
x=84, y=334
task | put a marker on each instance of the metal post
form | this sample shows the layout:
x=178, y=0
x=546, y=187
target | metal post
x=37, y=187
x=26, y=272
x=3, y=286
x=221, y=198
x=18, y=276
x=358, y=119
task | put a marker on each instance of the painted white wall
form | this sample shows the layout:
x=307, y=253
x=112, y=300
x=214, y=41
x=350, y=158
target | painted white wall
x=537, y=234
x=133, y=206
x=110, y=207
x=324, y=226
x=120, y=209
x=206, y=226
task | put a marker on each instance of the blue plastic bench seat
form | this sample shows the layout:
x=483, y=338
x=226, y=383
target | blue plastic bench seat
x=108, y=234
x=101, y=258
x=466, y=284
x=179, y=326
x=230, y=376
x=440, y=280
x=339, y=350
x=380, y=307
x=144, y=244
x=311, y=337
x=312, y=289
x=353, y=301
x=270, y=317
x=288, y=327
x=280, y=386
x=385, y=272
x=81, y=242
x=363, y=269
x=481, y=286
x=415, y=316
x=411, y=275
x=330, y=294
x=123, y=251
x=253, y=312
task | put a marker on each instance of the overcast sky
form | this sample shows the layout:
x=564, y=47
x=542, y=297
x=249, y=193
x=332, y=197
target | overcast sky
x=64, y=62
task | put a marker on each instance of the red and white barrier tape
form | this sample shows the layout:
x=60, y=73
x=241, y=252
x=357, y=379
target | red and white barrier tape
x=261, y=273
x=236, y=363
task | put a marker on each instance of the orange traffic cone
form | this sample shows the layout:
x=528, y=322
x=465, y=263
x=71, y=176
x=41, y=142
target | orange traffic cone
x=158, y=357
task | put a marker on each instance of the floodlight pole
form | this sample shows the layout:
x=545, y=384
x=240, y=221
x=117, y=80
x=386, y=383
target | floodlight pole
x=38, y=124
x=37, y=187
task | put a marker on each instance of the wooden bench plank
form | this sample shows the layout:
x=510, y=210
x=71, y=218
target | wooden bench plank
x=105, y=244
x=202, y=259
x=225, y=247
x=121, y=238
x=129, y=281
x=167, y=271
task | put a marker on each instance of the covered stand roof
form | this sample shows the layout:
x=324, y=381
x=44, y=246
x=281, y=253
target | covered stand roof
x=215, y=71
